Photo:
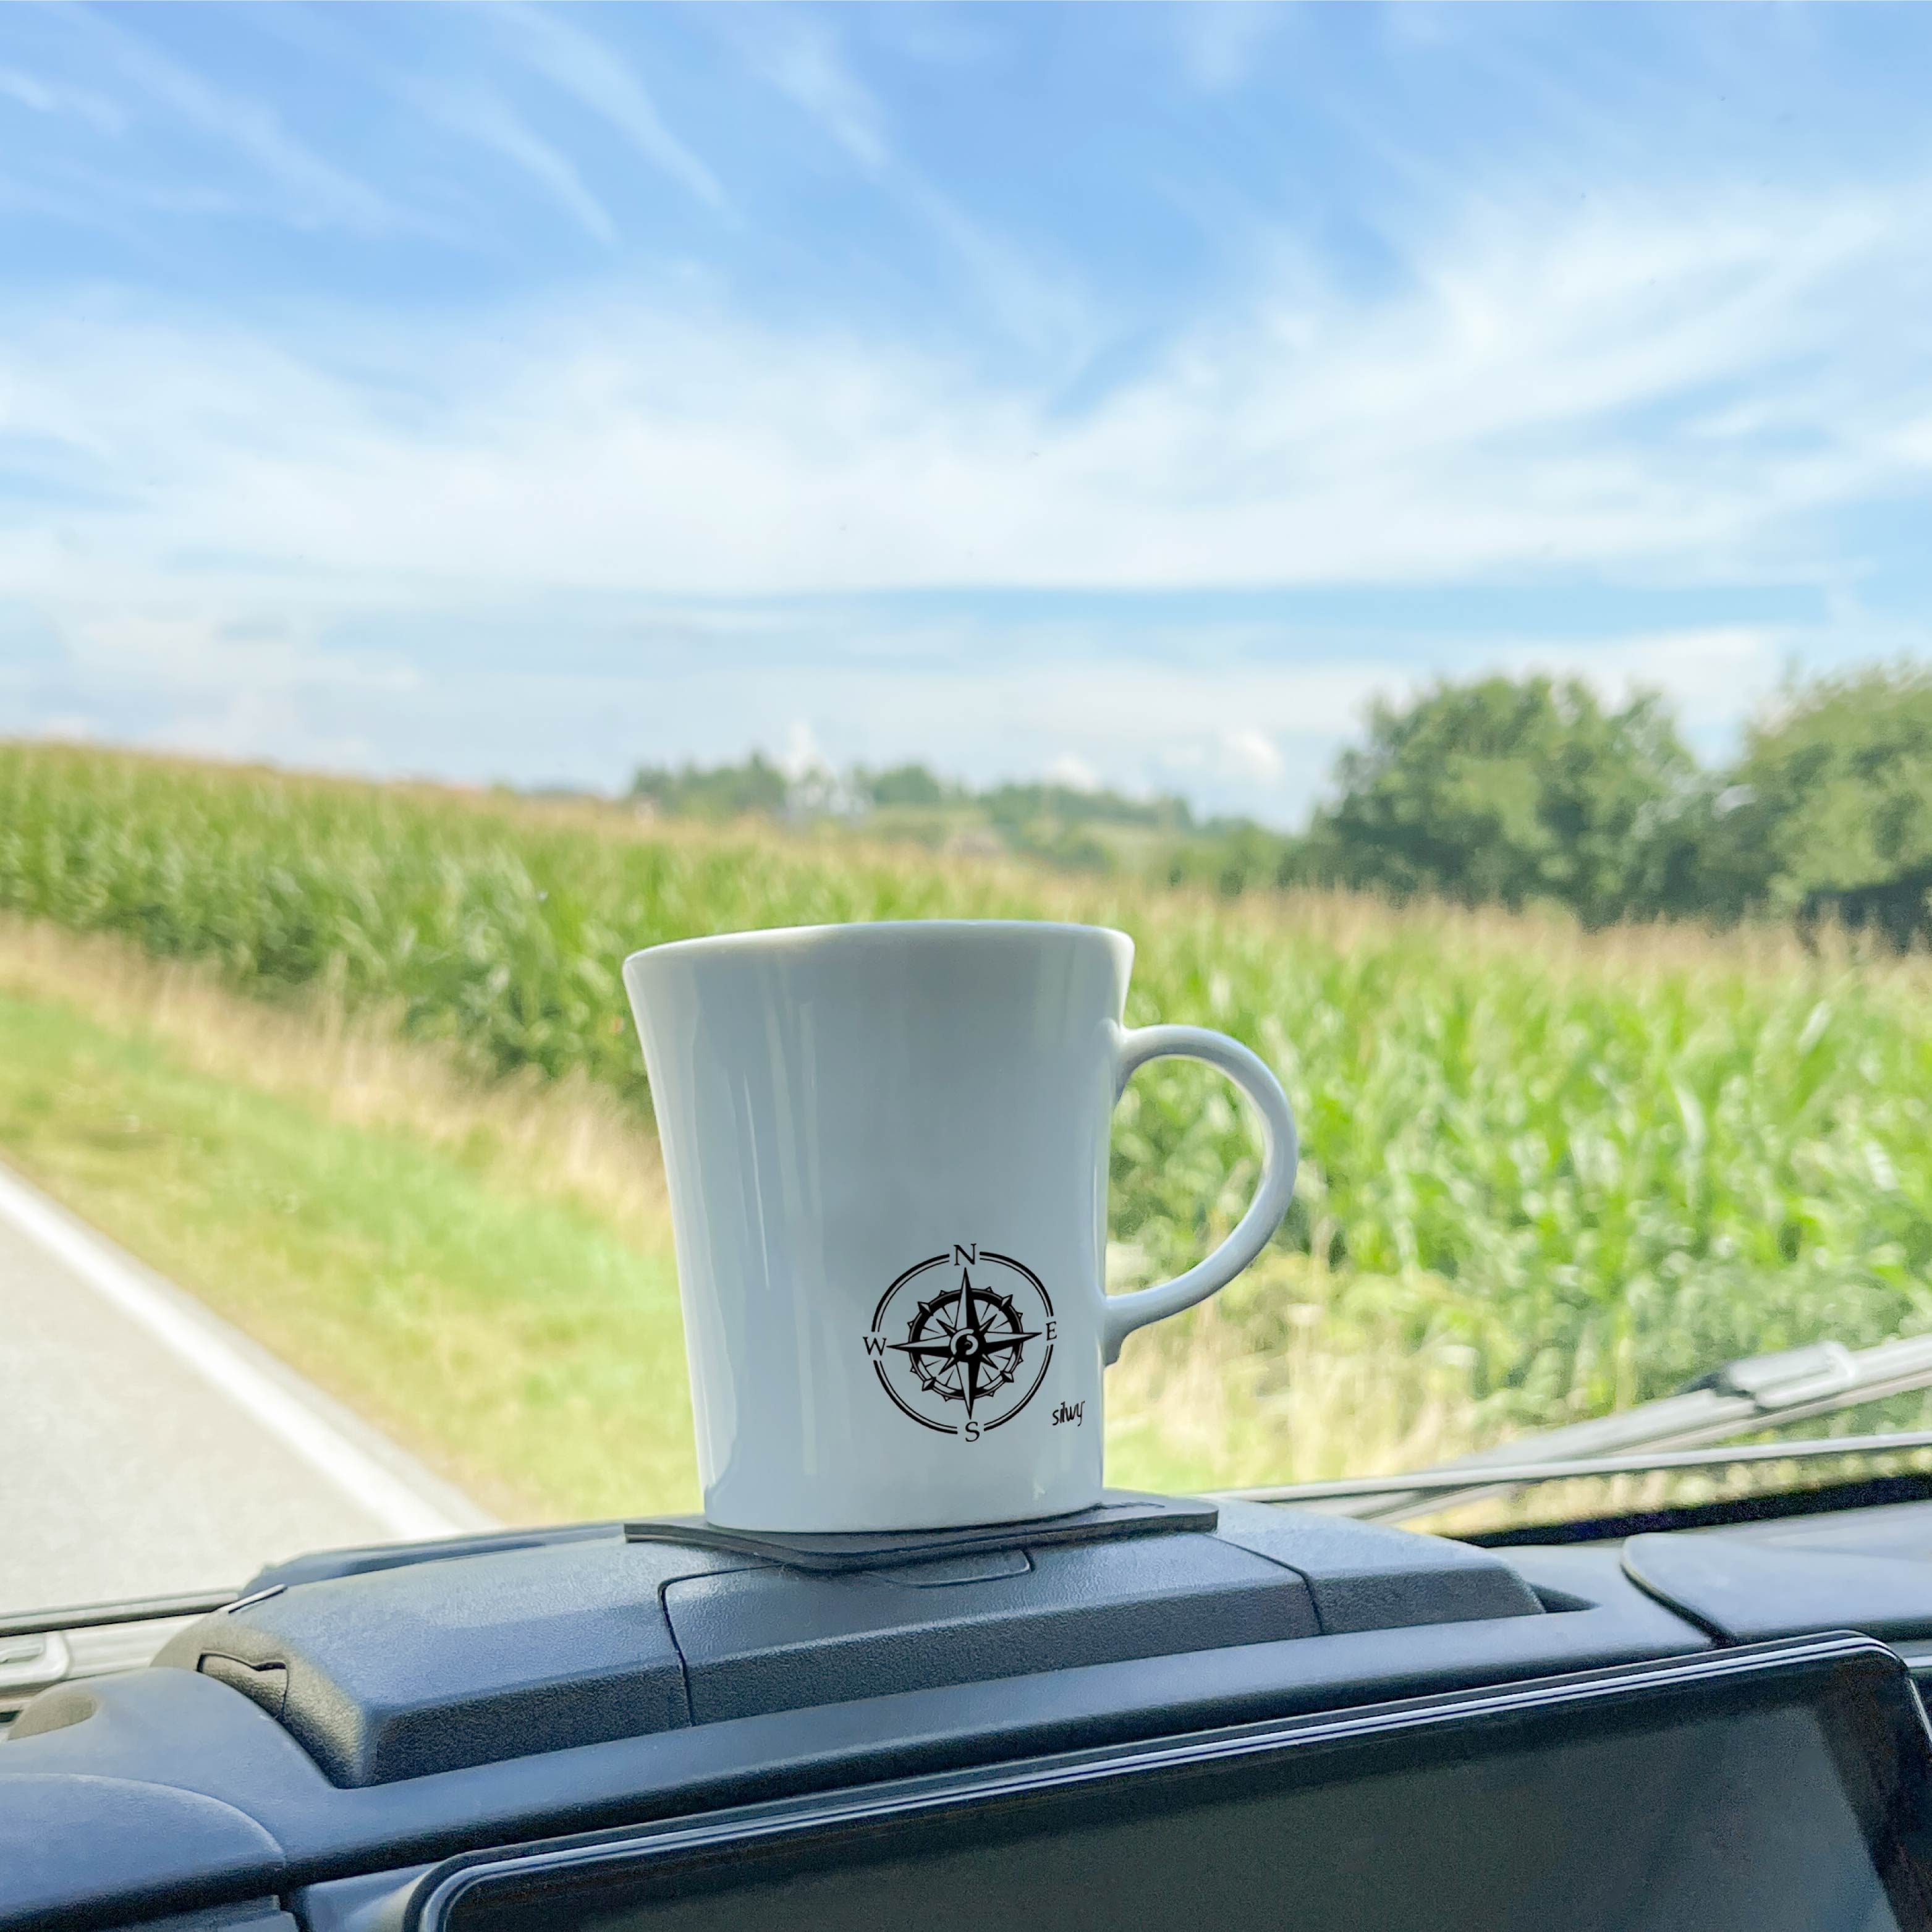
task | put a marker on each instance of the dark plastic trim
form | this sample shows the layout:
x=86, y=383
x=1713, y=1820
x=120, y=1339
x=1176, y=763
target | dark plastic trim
x=325, y=1565
x=427, y=1905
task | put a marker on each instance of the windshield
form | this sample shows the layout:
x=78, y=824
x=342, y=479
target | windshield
x=1414, y=516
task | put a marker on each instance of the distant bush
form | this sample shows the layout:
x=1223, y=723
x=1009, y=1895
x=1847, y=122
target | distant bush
x=1510, y=791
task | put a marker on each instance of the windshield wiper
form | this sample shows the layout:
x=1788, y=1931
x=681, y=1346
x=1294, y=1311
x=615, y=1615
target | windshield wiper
x=1754, y=1393
x=1740, y=1398
x=1447, y=1484
x=135, y=1610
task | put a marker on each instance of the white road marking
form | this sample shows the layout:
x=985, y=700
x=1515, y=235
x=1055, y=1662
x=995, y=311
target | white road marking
x=405, y=1507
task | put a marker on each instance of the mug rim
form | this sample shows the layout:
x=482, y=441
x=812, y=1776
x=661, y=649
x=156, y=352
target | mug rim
x=870, y=931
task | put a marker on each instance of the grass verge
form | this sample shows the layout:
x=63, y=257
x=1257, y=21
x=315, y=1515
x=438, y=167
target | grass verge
x=480, y=1291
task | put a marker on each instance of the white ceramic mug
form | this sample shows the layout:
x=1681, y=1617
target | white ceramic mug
x=887, y=1150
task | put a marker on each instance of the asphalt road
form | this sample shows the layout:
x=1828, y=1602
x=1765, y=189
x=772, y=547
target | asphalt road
x=147, y=1449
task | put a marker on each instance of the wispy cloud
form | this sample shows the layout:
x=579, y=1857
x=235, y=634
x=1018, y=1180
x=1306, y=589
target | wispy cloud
x=587, y=70
x=484, y=117
x=797, y=54
x=800, y=56
x=313, y=190
x=1220, y=39
x=47, y=97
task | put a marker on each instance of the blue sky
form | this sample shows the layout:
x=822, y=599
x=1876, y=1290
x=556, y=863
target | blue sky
x=1130, y=394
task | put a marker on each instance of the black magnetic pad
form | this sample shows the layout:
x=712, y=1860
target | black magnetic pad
x=1121, y=1512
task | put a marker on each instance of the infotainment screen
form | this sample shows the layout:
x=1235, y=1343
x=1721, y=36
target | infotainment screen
x=1781, y=1790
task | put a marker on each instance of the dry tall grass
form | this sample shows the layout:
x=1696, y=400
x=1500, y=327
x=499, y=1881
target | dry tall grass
x=569, y=1138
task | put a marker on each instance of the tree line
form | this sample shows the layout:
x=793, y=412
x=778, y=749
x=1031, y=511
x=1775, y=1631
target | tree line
x=1086, y=829
x=1509, y=791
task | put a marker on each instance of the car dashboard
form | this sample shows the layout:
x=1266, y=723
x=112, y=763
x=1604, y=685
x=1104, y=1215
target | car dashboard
x=646, y=1724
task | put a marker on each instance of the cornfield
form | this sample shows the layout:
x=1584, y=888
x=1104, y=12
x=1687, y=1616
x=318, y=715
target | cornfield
x=1582, y=1168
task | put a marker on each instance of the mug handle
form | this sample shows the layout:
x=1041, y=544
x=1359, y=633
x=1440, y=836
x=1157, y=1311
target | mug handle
x=1124, y=1313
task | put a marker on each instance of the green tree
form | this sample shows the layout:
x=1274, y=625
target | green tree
x=1012, y=807
x=1833, y=792
x=903, y=785
x=723, y=791
x=1510, y=790
x=1234, y=856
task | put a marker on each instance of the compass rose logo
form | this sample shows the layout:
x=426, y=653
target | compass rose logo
x=961, y=1342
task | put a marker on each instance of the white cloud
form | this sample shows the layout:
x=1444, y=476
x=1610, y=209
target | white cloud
x=1076, y=774
x=1643, y=393
x=1252, y=754
x=822, y=686
x=1514, y=410
x=245, y=723
x=184, y=659
x=1717, y=670
x=70, y=727
x=802, y=756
